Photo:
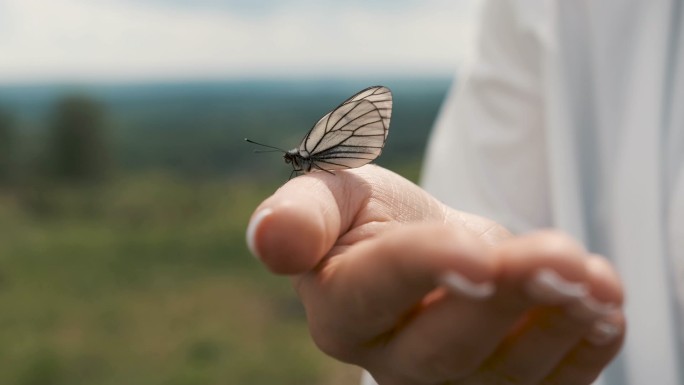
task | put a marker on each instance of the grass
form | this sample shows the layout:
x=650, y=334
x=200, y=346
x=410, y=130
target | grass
x=146, y=280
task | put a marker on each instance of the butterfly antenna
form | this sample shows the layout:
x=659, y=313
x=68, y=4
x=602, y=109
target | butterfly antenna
x=265, y=145
x=262, y=151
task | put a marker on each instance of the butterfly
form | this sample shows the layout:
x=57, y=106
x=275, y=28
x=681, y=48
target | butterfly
x=349, y=136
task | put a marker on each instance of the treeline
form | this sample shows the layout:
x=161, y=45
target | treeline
x=75, y=149
x=195, y=130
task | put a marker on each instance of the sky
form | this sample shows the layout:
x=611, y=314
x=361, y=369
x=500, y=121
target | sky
x=111, y=40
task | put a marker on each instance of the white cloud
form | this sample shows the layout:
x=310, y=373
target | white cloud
x=106, y=40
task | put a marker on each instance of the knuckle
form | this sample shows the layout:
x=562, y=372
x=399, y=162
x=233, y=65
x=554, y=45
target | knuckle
x=491, y=232
x=554, y=242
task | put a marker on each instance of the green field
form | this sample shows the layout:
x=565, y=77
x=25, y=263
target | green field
x=144, y=276
x=146, y=281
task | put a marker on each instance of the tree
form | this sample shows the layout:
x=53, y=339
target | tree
x=6, y=142
x=79, y=150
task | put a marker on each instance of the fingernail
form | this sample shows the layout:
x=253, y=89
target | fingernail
x=549, y=287
x=252, y=229
x=603, y=332
x=588, y=308
x=461, y=285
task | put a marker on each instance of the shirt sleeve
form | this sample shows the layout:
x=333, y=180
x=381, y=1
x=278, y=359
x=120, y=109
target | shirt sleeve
x=487, y=153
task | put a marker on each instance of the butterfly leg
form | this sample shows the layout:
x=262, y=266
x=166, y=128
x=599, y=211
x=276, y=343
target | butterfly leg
x=292, y=173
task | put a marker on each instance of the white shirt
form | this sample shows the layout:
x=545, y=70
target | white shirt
x=572, y=116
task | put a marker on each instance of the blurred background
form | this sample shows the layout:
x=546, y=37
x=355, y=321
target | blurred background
x=126, y=186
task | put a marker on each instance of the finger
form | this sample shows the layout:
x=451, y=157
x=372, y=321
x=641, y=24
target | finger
x=551, y=252
x=542, y=341
x=381, y=282
x=586, y=361
x=293, y=229
x=455, y=335
x=600, y=345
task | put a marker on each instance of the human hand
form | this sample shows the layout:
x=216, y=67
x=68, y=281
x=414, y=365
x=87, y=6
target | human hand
x=418, y=293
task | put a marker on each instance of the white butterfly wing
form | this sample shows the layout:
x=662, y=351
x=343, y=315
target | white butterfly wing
x=353, y=134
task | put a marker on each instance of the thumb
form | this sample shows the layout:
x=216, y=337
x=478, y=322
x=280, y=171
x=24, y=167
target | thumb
x=294, y=228
x=291, y=231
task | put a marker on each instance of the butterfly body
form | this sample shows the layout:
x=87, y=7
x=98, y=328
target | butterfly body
x=351, y=135
x=301, y=162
